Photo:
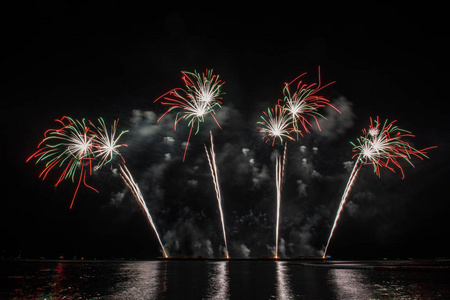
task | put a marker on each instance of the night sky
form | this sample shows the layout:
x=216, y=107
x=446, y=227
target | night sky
x=113, y=61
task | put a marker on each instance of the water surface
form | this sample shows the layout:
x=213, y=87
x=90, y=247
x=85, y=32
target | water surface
x=212, y=280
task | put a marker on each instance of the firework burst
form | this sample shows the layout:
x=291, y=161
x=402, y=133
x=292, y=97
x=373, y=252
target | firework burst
x=68, y=148
x=302, y=100
x=276, y=124
x=106, y=144
x=383, y=145
x=380, y=146
x=201, y=97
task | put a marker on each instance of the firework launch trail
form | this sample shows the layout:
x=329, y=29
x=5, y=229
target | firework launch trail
x=279, y=174
x=128, y=179
x=214, y=173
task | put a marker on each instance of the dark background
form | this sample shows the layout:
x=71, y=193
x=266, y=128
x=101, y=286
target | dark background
x=113, y=60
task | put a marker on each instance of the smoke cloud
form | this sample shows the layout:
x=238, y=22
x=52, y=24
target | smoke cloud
x=181, y=196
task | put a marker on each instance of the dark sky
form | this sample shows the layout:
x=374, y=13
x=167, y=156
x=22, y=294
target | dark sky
x=113, y=61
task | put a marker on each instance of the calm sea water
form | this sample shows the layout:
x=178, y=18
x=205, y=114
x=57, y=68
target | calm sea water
x=212, y=280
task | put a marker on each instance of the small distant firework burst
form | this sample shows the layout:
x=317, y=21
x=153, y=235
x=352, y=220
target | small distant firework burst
x=75, y=144
x=379, y=146
x=201, y=97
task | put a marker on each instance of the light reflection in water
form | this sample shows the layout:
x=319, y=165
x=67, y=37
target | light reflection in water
x=215, y=280
x=146, y=281
x=283, y=284
x=56, y=280
x=219, y=282
x=351, y=284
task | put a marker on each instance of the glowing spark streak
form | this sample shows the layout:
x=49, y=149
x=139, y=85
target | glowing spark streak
x=341, y=204
x=212, y=165
x=284, y=159
x=187, y=142
x=132, y=185
x=82, y=176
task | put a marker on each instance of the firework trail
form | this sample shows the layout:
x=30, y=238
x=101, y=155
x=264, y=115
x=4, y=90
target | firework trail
x=200, y=97
x=212, y=165
x=106, y=145
x=278, y=180
x=128, y=179
x=280, y=162
x=67, y=148
x=304, y=102
x=343, y=199
x=379, y=146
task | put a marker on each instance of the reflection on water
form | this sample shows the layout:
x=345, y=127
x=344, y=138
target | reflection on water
x=219, y=281
x=283, y=284
x=351, y=284
x=212, y=280
x=55, y=280
x=82, y=280
x=57, y=285
x=146, y=280
x=382, y=284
